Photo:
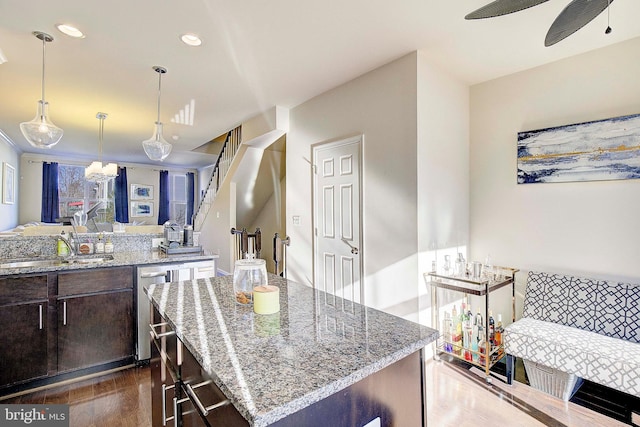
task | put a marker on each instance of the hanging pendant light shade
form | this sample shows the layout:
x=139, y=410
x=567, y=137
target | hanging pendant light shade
x=156, y=147
x=41, y=132
x=96, y=171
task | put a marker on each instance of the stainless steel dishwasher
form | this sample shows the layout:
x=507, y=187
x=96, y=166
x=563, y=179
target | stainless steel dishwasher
x=162, y=273
x=148, y=275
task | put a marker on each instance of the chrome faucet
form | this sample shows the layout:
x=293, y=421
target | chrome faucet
x=70, y=245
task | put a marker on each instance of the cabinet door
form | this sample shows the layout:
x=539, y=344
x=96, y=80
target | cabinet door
x=23, y=334
x=95, y=329
x=23, y=338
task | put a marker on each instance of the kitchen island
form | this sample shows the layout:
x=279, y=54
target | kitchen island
x=320, y=361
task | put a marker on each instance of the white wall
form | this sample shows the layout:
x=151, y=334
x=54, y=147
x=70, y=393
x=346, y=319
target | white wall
x=414, y=121
x=443, y=170
x=588, y=228
x=9, y=212
x=381, y=105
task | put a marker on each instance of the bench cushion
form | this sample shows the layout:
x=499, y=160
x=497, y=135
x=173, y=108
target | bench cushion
x=606, y=307
x=608, y=361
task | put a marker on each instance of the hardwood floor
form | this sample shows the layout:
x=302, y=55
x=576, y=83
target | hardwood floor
x=121, y=398
x=456, y=397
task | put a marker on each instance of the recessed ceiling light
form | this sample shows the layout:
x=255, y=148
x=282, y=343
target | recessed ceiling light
x=191, y=39
x=70, y=31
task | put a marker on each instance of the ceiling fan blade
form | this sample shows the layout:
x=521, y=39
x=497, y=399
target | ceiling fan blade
x=576, y=15
x=502, y=7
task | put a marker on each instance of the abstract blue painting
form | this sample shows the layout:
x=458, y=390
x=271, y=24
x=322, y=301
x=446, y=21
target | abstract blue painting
x=591, y=151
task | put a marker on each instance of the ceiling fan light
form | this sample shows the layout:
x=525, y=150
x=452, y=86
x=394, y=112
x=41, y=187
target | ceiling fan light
x=156, y=147
x=41, y=132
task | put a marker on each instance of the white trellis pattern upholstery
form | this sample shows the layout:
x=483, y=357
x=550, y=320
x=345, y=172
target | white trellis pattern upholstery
x=585, y=327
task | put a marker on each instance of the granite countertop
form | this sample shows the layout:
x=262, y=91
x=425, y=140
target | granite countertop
x=119, y=259
x=271, y=366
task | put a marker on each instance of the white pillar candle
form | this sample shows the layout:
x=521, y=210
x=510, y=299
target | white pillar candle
x=266, y=299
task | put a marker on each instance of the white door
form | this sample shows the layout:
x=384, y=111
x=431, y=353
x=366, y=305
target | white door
x=337, y=210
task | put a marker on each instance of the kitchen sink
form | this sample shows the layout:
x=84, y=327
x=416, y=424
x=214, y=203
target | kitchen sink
x=31, y=263
x=54, y=262
x=88, y=259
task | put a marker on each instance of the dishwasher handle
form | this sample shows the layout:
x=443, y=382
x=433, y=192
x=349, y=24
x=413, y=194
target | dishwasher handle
x=163, y=273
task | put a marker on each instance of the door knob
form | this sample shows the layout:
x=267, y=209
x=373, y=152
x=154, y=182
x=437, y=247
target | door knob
x=354, y=250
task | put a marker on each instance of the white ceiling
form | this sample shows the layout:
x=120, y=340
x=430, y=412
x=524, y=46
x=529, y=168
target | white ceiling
x=256, y=54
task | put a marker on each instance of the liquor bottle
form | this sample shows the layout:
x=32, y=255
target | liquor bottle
x=491, y=329
x=477, y=324
x=446, y=332
x=456, y=331
x=482, y=346
x=498, y=337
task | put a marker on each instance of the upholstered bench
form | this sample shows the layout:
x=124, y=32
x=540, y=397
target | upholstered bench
x=582, y=327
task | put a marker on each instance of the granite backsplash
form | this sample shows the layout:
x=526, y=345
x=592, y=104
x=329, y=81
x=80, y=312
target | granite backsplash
x=14, y=247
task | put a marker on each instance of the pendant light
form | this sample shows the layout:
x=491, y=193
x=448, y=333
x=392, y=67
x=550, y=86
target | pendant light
x=156, y=147
x=96, y=171
x=41, y=132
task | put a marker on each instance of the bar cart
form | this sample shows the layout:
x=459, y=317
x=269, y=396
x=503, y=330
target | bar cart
x=482, y=286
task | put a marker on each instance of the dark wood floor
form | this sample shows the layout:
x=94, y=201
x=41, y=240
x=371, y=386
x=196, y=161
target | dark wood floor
x=121, y=398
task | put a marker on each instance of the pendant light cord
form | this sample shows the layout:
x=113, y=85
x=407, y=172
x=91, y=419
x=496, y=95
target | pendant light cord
x=44, y=43
x=101, y=134
x=159, y=93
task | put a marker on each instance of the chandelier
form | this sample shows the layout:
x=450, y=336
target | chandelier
x=156, y=147
x=40, y=131
x=96, y=171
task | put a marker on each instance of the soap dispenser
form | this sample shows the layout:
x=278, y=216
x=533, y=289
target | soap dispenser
x=62, y=248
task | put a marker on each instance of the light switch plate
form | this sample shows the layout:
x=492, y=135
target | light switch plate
x=296, y=220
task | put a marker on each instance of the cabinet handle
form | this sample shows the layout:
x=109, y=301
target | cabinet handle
x=198, y=403
x=175, y=412
x=164, y=404
x=40, y=316
x=64, y=312
x=157, y=335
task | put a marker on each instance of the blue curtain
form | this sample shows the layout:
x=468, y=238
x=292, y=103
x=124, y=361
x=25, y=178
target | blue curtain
x=122, y=196
x=163, y=209
x=190, y=196
x=49, y=212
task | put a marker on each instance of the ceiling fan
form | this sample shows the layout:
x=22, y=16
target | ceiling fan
x=576, y=15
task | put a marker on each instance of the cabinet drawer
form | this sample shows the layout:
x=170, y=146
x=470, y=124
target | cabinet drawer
x=94, y=280
x=15, y=290
x=203, y=393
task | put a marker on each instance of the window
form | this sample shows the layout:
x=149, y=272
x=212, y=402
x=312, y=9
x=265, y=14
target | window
x=178, y=197
x=77, y=194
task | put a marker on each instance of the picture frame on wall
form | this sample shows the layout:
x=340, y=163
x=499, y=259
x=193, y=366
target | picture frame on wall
x=141, y=192
x=141, y=209
x=8, y=184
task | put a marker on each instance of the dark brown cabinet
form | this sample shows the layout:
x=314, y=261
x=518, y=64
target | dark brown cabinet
x=23, y=316
x=180, y=388
x=95, y=317
x=203, y=399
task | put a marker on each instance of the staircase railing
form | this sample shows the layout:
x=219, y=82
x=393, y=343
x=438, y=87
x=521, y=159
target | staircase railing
x=220, y=170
